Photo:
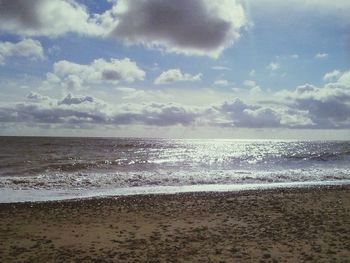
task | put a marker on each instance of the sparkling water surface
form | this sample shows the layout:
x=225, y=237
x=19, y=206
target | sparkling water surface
x=56, y=164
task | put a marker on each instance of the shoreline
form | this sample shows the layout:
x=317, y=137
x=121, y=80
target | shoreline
x=274, y=225
x=44, y=195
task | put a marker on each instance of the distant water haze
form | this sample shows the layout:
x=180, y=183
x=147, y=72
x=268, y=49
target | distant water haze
x=93, y=164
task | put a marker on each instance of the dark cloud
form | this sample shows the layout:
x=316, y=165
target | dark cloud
x=156, y=114
x=22, y=12
x=240, y=114
x=327, y=107
x=35, y=113
x=111, y=75
x=203, y=27
x=165, y=115
x=70, y=99
x=236, y=106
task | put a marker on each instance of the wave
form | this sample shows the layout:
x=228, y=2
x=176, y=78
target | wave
x=323, y=156
x=79, y=180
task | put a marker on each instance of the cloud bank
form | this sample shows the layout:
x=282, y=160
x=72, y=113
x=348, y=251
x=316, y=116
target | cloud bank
x=327, y=106
x=305, y=107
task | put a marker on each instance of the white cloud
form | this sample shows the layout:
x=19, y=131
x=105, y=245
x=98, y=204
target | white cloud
x=221, y=82
x=73, y=75
x=273, y=66
x=196, y=27
x=126, y=89
x=221, y=68
x=344, y=79
x=253, y=86
x=250, y=83
x=36, y=97
x=47, y=18
x=331, y=76
x=72, y=83
x=176, y=75
x=321, y=55
x=25, y=48
x=255, y=90
x=338, y=77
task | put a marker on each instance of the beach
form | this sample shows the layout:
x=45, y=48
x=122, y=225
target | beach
x=281, y=225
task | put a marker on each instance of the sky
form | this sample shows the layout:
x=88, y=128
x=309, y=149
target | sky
x=262, y=69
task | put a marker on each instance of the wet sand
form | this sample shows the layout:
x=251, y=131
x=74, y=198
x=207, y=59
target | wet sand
x=290, y=225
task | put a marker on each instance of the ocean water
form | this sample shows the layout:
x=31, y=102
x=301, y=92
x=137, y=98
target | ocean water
x=35, y=166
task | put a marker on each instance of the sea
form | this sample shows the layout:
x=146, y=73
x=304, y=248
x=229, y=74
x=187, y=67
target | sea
x=52, y=168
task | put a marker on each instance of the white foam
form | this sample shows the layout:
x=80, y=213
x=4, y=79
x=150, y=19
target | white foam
x=118, y=179
x=36, y=195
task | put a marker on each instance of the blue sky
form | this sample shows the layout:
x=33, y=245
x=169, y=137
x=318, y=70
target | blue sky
x=225, y=68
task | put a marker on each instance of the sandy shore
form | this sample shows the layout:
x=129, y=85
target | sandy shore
x=294, y=225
